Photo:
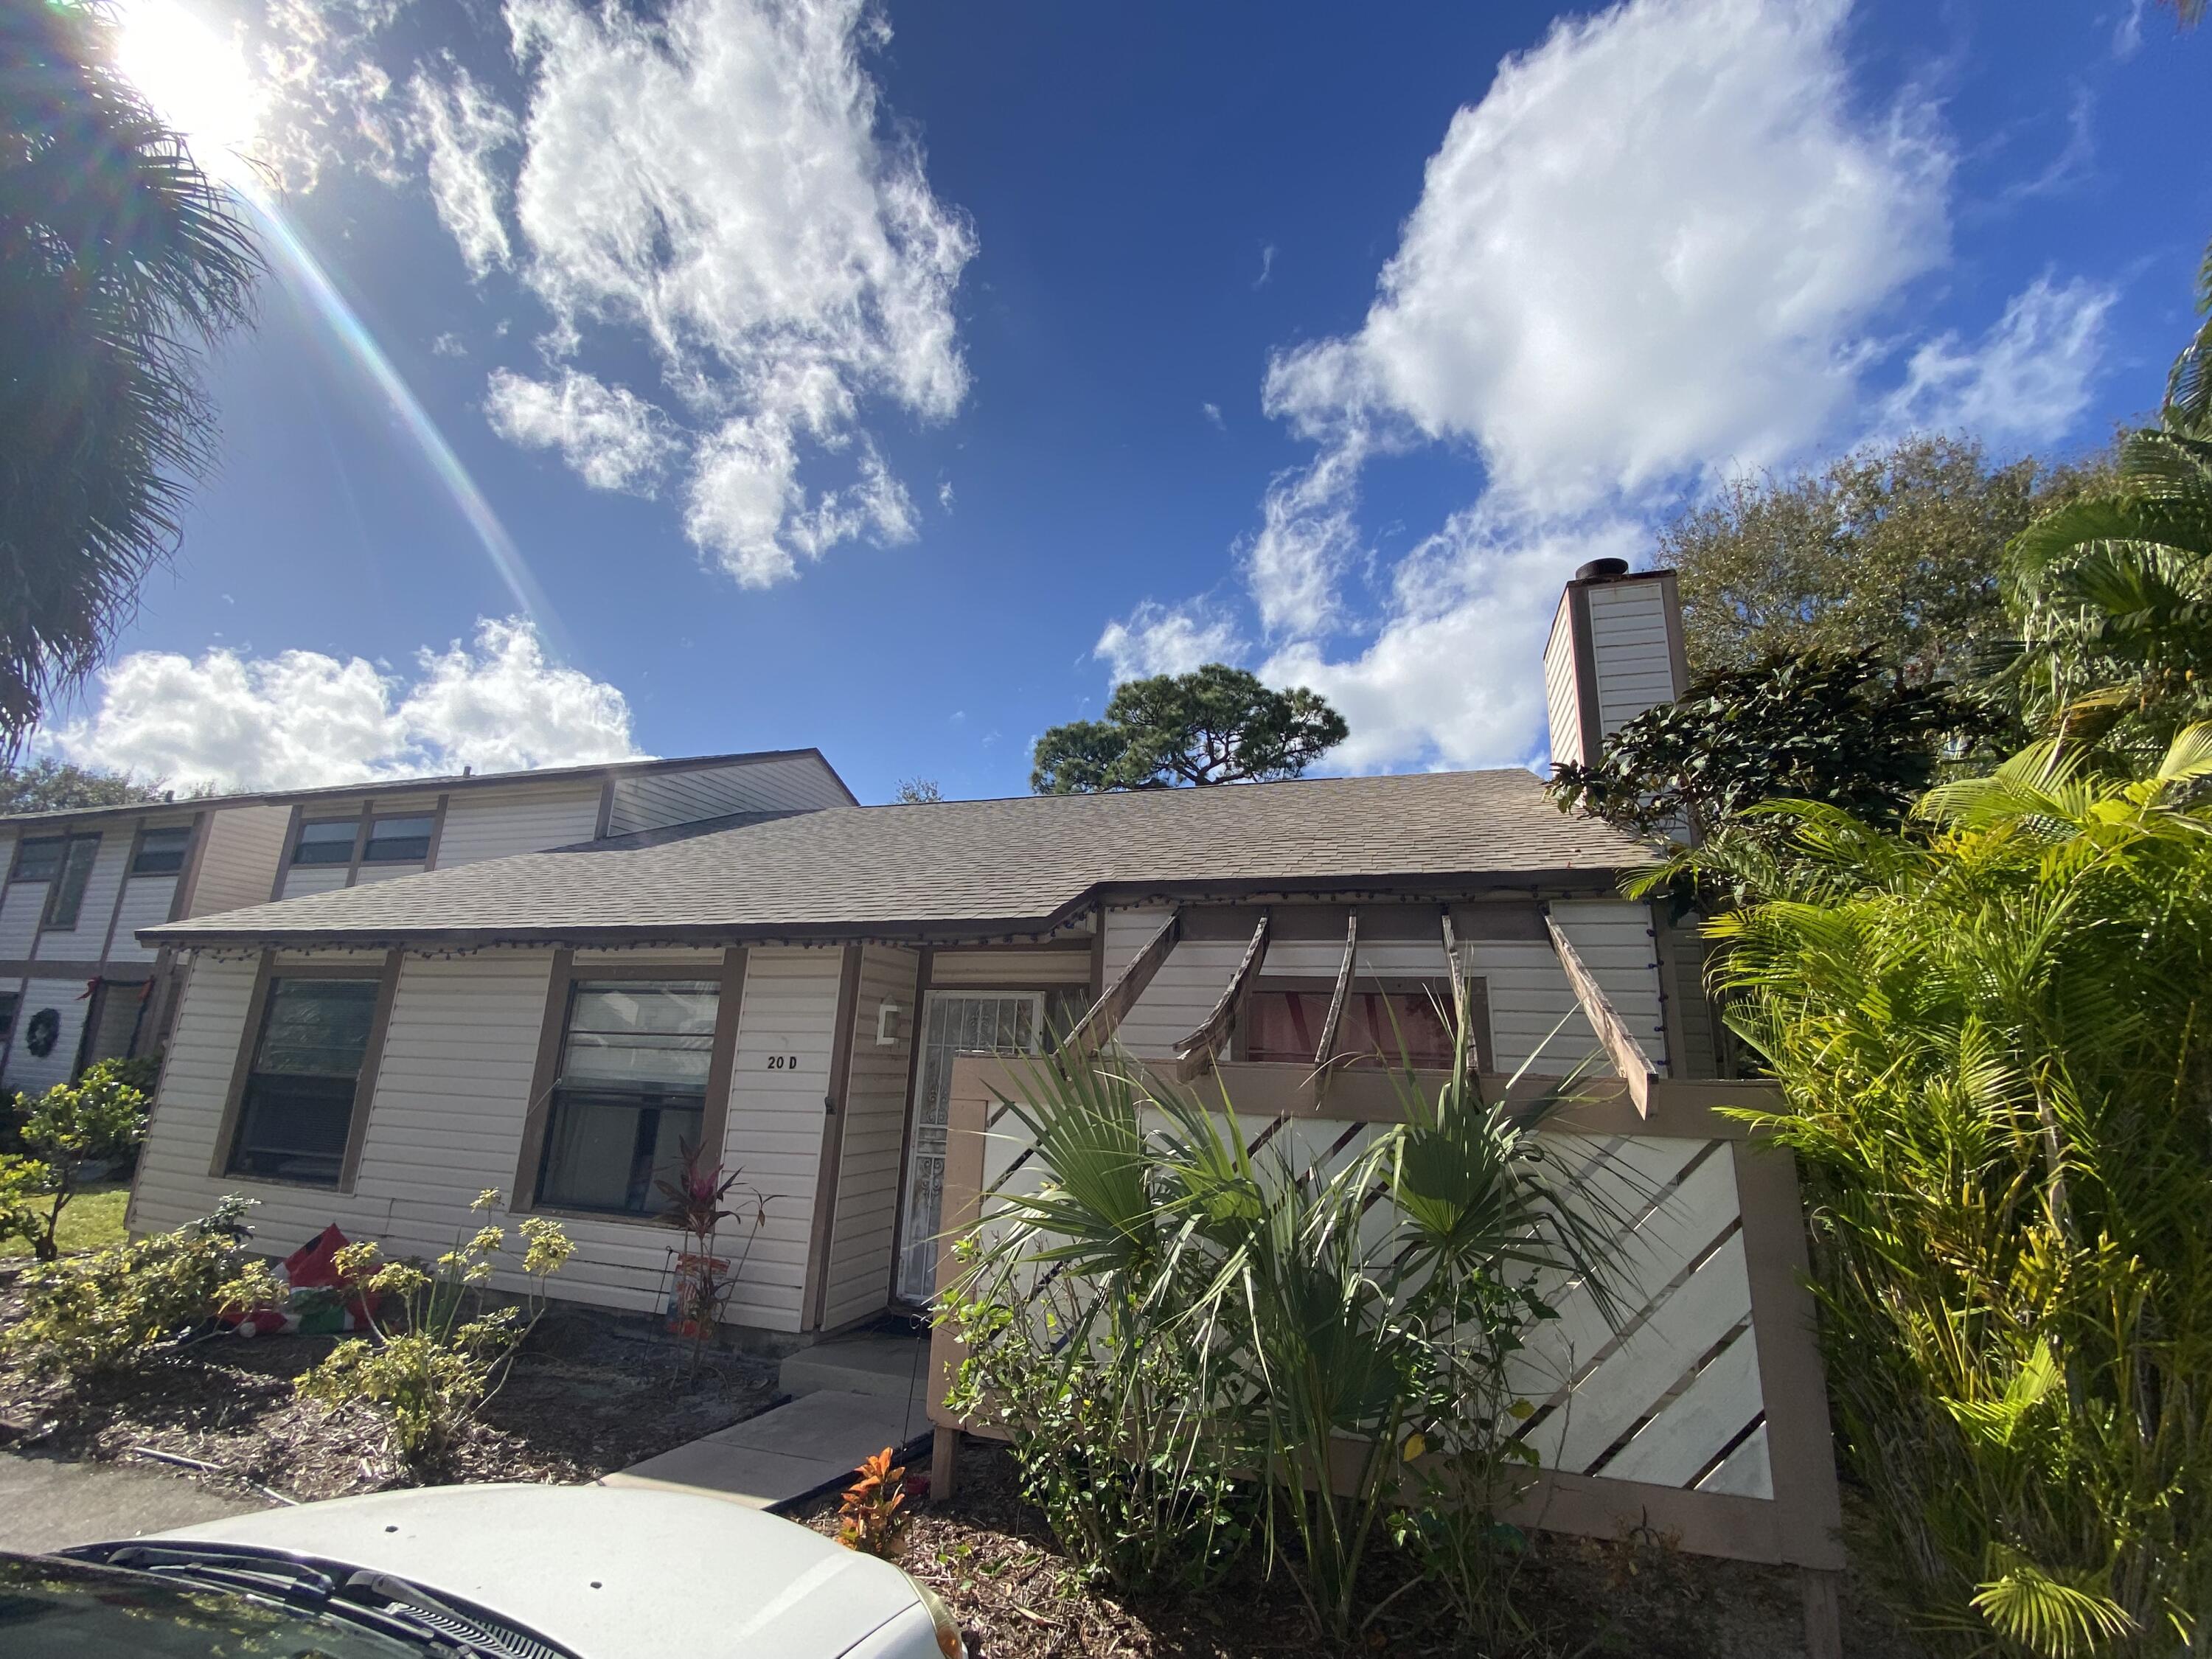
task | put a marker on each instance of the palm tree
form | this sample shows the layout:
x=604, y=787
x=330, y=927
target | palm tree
x=120, y=261
x=2114, y=592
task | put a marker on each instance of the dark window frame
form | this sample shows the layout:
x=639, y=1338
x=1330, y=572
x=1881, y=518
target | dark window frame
x=59, y=843
x=385, y=973
x=427, y=838
x=300, y=843
x=147, y=832
x=729, y=975
x=59, y=887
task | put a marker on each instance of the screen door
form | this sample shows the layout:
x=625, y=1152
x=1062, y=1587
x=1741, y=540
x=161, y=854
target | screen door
x=954, y=1023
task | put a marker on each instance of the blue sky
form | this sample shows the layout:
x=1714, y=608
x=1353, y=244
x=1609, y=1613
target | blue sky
x=888, y=378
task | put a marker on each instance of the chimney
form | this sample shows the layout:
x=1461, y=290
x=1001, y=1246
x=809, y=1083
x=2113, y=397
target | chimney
x=1616, y=650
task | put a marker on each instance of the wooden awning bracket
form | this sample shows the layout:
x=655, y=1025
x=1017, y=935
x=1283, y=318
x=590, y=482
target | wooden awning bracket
x=1326, y=1048
x=1196, y=1052
x=1619, y=1042
x=1096, y=1028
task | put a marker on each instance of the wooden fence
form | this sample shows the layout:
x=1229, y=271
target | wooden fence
x=1703, y=1416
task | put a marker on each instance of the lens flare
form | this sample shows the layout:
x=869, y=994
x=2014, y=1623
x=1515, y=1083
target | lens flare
x=198, y=82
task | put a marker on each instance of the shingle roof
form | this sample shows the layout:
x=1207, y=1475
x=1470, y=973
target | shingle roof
x=1017, y=865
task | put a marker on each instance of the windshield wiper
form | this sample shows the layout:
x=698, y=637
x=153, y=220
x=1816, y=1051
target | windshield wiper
x=271, y=1572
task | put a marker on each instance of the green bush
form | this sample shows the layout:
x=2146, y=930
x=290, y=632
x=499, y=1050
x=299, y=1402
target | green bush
x=106, y=1310
x=96, y=1120
x=1990, y=1029
x=1168, y=1314
x=437, y=1353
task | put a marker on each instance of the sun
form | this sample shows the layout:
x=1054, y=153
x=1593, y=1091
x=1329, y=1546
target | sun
x=195, y=78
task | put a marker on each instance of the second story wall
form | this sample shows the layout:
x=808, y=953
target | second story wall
x=784, y=783
x=495, y=824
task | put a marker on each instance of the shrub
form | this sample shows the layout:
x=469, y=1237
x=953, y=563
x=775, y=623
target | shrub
x=871, y=1512
x=1166, y=1312
x=1990, y=1033
x=430, y=1366
x=96, y=1120
x=100, y=1312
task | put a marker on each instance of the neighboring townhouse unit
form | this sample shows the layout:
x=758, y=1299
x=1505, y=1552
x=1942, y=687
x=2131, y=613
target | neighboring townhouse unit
x=77, y=985
x=789, y=991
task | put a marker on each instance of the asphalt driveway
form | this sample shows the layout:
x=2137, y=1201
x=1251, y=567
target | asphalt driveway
x=47, y=1504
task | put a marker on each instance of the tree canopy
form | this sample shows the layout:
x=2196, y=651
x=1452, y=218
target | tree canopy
x=2113, y=590
x=1215, y=725
x=47, y=785
x=1844, y=731
x=119, y=261
x=1898, y=547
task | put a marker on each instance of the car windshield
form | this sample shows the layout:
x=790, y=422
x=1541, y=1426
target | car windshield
x=55, y=1609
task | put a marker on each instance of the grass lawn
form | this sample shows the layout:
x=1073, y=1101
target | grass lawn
x=93, y=1221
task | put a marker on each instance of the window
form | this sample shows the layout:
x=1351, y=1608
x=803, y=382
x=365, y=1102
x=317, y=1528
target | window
x=325, y=841
x=399, y=841
x=1377, y=1026
x=296, y=1109
x=631, y=1090
x=9, y=1001
x=37, y=859
x=161, y=852
x=66, y=897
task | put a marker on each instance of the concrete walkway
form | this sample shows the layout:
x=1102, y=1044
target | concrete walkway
x=46, y=1503
x=852, y=1397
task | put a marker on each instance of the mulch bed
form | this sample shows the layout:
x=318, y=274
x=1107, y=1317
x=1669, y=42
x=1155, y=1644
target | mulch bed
x=590, y=1395
x=989, y=1555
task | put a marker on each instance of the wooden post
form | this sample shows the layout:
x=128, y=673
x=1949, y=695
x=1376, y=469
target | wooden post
x=945, y=1466
x=1824, y=1611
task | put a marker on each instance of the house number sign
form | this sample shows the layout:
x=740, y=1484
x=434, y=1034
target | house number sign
x=783, y=1062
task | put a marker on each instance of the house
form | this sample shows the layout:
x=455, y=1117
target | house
x=77, y=984
x=788, y=985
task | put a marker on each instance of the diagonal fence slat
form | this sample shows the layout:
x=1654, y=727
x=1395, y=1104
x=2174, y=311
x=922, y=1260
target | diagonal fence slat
x=1670, y=1405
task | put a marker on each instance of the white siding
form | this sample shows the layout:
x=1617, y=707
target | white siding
x=652, y=800
x=36, y=1073
x=776, y=1120
x=84, y=942
x=19, y=917
x=239, y=867
x=1628, y=639
x=1562, y=694
x=146, y=901
x=172, y=1184
x=312, y=878
x=874, y=1136
x=491, y=824
x=1527, y=990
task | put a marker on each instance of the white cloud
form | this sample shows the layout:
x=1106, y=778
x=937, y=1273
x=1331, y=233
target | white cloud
x=1309, y=535
x=1652, y=247
x=717, y=180
x=1450, y=676
x=463, y=127
x=1212, y=413
x=301, y=718
x=1666, y=244
x=610, y=438
x=2026, y=380
x=1158, y=639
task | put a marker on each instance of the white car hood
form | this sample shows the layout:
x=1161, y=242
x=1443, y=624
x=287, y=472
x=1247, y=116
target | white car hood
x=608, y=1571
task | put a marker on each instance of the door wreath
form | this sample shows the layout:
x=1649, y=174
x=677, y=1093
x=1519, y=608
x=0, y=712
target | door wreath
x=46, y=1027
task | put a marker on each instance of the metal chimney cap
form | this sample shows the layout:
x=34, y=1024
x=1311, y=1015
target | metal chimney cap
x=1599, y=570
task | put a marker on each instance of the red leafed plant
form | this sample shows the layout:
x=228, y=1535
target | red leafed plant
x=704, y=1280
x=871, y=1514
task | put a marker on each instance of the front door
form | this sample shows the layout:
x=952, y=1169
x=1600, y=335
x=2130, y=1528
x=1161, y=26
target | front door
x=954, y=1023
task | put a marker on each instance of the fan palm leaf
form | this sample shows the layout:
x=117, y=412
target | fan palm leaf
x=120, y=261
